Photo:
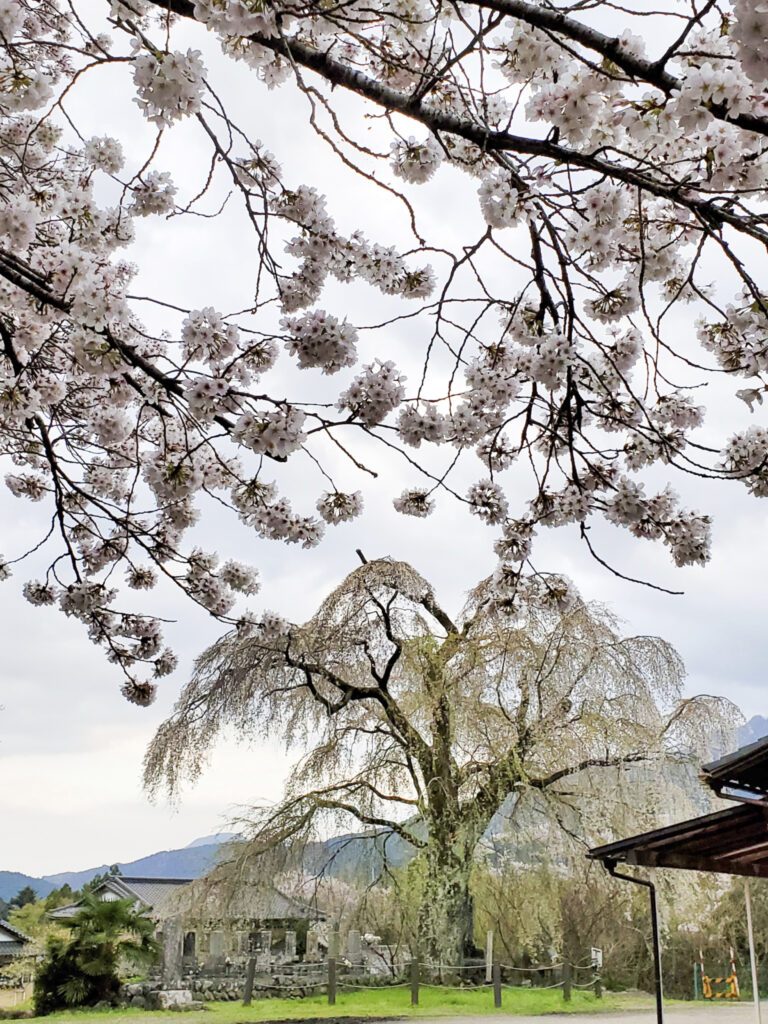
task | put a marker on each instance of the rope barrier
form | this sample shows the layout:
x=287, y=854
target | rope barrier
x=318, y=976
x=539, y=988
x=399, y=984
x=455, y=988
x=453, y=967
x=546, y=967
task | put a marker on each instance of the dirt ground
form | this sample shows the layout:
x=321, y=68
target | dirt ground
x=695, y=1013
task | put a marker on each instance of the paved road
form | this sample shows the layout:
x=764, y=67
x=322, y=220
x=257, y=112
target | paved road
x=695, y=1013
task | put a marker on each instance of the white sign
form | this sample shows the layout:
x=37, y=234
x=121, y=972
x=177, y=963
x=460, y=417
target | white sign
x=597, y=957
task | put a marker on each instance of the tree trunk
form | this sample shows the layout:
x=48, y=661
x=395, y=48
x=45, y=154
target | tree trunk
x=446, y=921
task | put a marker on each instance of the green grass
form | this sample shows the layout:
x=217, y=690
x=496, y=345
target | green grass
x=382, y=1002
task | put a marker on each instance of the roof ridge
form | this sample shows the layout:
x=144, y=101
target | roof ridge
x=150, y=878
x=14, y=931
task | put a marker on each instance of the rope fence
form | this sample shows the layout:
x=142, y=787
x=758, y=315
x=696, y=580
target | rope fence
x=331, y=976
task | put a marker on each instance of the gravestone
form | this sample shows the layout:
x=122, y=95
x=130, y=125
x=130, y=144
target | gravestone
x=217, y=943
x=290, y=946
x=312, y=948
x=354, y=947
x=173, y=953
x=334, y=943
x=265, y=950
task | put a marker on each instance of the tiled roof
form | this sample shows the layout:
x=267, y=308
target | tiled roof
x=149, y=893
x=248, y=896
x=209, y=895
x=12, y=941
x=12, y=948
x=152, y=891
x=9, y=933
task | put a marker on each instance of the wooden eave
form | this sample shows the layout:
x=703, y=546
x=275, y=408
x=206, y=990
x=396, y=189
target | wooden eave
x=733, y=841
x=745, y=771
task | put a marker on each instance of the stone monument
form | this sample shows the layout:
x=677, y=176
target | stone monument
x=173, y=952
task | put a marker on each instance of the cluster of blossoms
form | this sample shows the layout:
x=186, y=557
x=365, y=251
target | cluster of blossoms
x=416, y=161
x=374, y=394
x=338, y=507
x=154, y=195
x=501, y=201
x=659, y=517
x=555, y=330
x=208, y=338
x=421, y=423
x=749, y=32
x=739, y=341
x=486, y=499
x=322, y=251
x=104, y=154
x=276, y=433
x=746, y=457
x=416, y=502
x=319, y=339
x=169, y=86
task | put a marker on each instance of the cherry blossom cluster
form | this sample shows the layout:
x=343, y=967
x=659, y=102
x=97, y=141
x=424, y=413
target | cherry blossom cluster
x=606, y=183
x=169, y=86
x=319, y=339
x=416, y=161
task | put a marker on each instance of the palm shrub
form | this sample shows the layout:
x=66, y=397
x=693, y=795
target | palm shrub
x=83, y=969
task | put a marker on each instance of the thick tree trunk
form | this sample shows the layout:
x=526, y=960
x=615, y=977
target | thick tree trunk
x=446, y=914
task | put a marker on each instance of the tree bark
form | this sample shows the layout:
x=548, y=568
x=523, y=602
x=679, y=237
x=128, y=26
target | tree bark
x=446, y=915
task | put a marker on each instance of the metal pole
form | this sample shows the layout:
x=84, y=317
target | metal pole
x=752, y=960
x=656, y=954
x=611, y=868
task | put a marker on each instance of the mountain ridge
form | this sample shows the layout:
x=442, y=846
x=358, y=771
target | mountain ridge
x=189, y=861
x=349, y=857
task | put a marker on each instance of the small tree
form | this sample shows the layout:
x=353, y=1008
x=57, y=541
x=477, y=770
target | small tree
x=24, y=896
x=424, y=728
x=84, y=969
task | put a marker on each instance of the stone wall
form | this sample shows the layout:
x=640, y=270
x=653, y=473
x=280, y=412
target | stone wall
x=229, y=988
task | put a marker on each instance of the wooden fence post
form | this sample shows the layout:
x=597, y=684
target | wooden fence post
x=248, y=990
x=497, y=985
x=331, y=980
x=566, y=982
x=598, y=986
x=414, y=982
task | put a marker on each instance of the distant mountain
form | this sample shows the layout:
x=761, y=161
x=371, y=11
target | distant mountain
x=357, y=858
x=189, y=862
x=755, y=729
x=12, y=881
x=220, y=837
x=353, y=858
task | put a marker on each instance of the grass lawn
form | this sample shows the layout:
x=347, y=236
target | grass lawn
x=382, y=1002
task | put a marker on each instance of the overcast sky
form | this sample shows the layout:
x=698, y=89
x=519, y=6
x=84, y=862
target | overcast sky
x=71, y=746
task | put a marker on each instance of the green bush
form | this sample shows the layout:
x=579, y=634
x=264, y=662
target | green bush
x=84, y=969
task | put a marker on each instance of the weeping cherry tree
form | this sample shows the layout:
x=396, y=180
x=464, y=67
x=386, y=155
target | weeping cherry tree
x=416, y=725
